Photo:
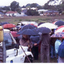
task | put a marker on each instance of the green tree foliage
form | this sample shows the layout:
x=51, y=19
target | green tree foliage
x=31, y=12
x=14, y=5
x=39, y=7
x=6, y=8
x=34, y=5
x=18, y=10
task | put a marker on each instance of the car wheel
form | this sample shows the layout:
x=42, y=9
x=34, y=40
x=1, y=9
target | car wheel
x=30, y=58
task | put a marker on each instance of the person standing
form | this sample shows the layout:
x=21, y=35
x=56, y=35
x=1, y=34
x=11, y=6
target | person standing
x=57, y=44
x=35, y=41
x=61, y=53
x=52, y=45
x=45, y=41
x=25, y=41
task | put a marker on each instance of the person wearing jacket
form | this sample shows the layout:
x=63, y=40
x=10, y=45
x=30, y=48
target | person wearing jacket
x=25, y=41
x=45, y=41
x=35, y=41
x=57, y=44
x=61, y=53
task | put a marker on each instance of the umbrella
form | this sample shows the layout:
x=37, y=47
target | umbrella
x=58, y=35
x=14, y=33
x=43, y=30
x=28, y=27
x=9, y=26
x=40, y=23
x=59, y=23
x=59, y=29
x=54, y=22
x=48, y=25
x=2, y=23
x=27, y=32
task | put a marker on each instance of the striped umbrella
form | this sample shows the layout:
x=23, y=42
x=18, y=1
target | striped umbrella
x=59, y=29
x=58, y=35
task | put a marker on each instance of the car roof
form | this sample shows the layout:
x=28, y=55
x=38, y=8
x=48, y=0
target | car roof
x=6, y=30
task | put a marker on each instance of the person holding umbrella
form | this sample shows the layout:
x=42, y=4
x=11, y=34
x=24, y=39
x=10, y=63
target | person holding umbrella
x=25, y=41
x=35, y=41
x=45, y=41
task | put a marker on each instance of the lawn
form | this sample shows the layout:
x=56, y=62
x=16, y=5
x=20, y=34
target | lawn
x=38, y=19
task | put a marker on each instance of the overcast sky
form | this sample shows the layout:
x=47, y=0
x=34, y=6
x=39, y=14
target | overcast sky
x=22, y=2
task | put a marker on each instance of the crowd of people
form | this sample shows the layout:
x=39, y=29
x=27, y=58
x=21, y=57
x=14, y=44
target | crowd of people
x=44, y=44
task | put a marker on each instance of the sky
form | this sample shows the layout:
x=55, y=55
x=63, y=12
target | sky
x=22, y=2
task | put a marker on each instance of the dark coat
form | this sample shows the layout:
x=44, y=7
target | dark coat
x=45, y=39
x=61, y=50
x=35, y=39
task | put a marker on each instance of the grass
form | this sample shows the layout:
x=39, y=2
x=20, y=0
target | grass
x=37, y=19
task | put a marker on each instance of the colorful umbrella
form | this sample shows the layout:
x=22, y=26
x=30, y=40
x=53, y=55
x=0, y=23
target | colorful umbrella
x=14, y=33
x=48, y=25
x=54, y=22
x=59, y=29
x=58, y=35
x=9, y=26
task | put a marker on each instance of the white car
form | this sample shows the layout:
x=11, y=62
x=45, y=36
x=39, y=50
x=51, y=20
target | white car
x=14, y=52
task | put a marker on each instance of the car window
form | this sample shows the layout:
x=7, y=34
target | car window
x=7, y=39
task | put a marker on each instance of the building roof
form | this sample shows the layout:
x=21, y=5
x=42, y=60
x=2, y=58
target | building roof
x=11, y=12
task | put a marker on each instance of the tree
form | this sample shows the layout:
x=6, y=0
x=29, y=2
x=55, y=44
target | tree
x=34, y=5
x=6, y=8
x=18, y=10
x=39, y=7
x=31, y=12
x=14, y=5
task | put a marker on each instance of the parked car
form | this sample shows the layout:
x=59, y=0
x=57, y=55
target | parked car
x=14, y=52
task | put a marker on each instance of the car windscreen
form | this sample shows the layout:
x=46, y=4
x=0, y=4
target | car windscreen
x=7, y=39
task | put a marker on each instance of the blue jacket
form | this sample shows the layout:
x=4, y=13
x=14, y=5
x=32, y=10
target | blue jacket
x=57, y=44
x=61, y=50
x=35, y=39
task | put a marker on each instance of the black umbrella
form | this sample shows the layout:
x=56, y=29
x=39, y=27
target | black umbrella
x=59, y=23
x=43, y=30
x=2, y=23
x=27, y=32
x=29, y=26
